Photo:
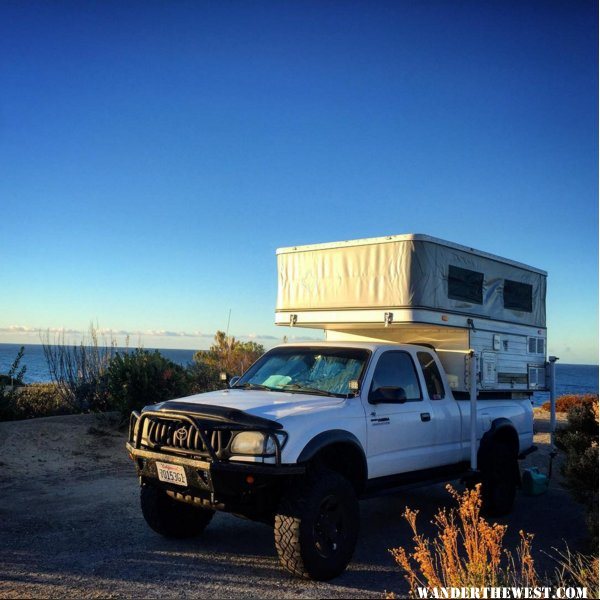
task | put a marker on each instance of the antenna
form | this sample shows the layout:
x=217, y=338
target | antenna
x=228, y=321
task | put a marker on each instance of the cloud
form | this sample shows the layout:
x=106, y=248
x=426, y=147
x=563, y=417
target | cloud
x=26, y=329
x=166, y=333
x=304, y=338
x=261, y=336
x=18, y=329
x=107, y=331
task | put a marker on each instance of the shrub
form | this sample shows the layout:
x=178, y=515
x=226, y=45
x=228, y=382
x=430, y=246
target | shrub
x=142, y=377
x=9, y=387
x=228, y=355
x=568, y=401
x=203, y=377
x=79, y=371
x=6, y=380
x=40, y=400
x=579, y=441
x=466, y=552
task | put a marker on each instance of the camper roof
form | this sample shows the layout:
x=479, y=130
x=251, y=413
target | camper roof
x=408, y=237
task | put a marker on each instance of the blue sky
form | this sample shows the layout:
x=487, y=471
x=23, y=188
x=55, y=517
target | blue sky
x=153, y=155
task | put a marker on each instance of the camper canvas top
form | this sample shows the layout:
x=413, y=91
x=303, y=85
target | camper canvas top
x=327, y=285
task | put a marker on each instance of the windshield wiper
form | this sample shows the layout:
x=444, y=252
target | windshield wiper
x=308, y=390
x=254, y=386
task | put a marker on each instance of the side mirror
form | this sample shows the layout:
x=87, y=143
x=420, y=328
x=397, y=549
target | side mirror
x=387, y=395
x=234, y=380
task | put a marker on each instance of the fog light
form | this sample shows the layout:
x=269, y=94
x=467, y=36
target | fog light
x=249, y=479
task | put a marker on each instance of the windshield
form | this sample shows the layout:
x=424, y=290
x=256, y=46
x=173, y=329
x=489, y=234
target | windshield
x=324, y=371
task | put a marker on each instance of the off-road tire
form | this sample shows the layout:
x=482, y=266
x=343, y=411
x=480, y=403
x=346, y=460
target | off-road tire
x=316, y=526
x=170, y=518
x=499, y=480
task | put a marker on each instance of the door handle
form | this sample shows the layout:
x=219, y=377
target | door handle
x=425, y=417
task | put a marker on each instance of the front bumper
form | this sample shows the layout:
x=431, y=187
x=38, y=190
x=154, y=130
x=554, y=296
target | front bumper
x=213, y=480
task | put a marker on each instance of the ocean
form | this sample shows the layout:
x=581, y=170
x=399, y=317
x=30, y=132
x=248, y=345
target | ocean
x=570, y=379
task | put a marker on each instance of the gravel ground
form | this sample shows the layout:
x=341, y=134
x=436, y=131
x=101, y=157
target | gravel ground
x=70, y=526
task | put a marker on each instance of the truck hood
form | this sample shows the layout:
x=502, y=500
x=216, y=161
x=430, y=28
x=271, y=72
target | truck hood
x=269, y=405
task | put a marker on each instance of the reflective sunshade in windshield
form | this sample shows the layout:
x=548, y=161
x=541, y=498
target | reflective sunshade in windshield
x=307, y=370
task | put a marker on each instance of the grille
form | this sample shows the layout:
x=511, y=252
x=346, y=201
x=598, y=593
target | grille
x=170, y=434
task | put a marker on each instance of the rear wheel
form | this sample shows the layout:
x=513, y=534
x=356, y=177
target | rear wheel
x=316, y=527
x=171, y=518
x=499, y=480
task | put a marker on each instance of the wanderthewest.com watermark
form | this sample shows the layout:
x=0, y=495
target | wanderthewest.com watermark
x=451, y=593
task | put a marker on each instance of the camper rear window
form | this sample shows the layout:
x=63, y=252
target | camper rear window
x=465, y=285
x=518, y=296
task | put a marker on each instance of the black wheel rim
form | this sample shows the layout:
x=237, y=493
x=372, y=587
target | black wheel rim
x=329, y=527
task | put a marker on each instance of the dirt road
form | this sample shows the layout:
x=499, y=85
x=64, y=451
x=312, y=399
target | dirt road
x=70, y=525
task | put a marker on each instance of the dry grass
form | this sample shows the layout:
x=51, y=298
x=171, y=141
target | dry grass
x=467, y=551
x=577, y=570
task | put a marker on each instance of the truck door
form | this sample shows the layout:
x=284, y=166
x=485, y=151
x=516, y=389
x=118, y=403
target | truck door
x=445, y=413
x=399, y=421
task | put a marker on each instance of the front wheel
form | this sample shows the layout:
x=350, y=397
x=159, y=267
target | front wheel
x=171, y=518
x=316, y=527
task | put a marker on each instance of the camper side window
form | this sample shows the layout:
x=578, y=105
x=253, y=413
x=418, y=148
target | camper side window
x=464, y=284
x=518, y=296
x=433, y=379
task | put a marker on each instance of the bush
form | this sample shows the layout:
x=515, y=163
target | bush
x=228, y=355
x=203, y=377
x=466, y=552
x=568, y=401
x=79, y=371
x=579, y=441
x=9, y=387
x=142, y=377
x=40, y=400
x=6, y=380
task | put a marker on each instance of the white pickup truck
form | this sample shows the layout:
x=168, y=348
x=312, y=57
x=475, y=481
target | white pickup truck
x=311, y=428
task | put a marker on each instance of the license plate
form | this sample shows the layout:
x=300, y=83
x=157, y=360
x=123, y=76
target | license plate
x=171, y=473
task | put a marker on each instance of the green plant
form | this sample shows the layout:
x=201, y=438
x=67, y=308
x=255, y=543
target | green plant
x=140, y=377
x=40, y=400
x=9, y=389
x=203, y=377
x=228, y=355
x=579, y=441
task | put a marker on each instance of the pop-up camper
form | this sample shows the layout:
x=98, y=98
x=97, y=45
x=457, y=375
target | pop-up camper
x=419, y=289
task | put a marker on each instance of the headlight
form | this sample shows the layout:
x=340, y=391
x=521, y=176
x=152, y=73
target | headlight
x=248, y=442
x=255, y=442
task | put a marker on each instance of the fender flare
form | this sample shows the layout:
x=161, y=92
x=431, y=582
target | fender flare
x=336, y=436
x=326, y=438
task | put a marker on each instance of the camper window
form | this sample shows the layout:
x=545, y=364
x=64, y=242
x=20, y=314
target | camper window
x=464, y=284
x=518, y=296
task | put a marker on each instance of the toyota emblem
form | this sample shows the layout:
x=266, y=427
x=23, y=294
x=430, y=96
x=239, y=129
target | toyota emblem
x=181, y=434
